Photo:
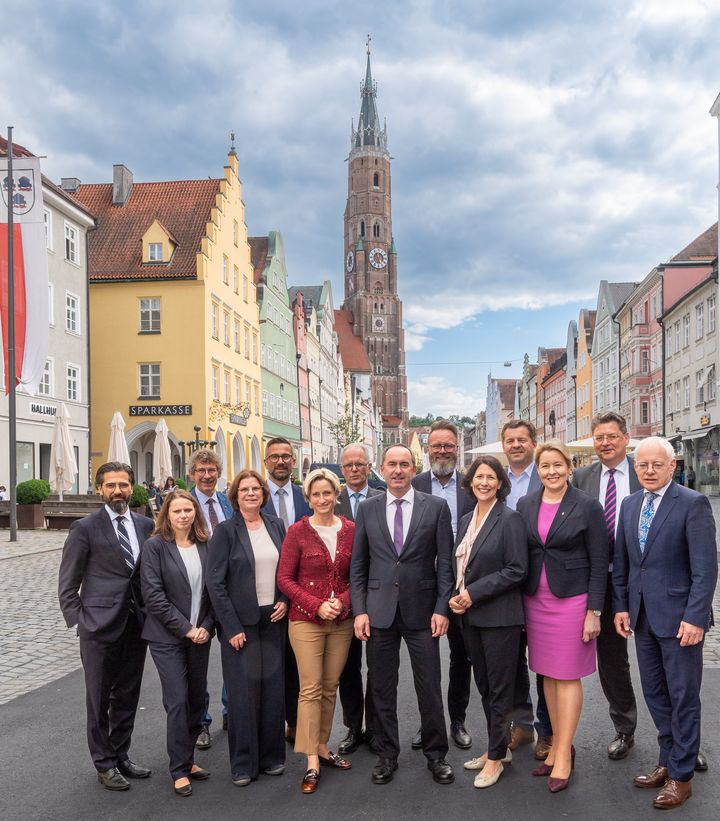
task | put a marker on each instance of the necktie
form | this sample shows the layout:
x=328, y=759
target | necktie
x=646, y=517
x=611, y=506
x=212, y=514
x=398, y=527
x=125, y=543
x=355, y=502
x=282, y=509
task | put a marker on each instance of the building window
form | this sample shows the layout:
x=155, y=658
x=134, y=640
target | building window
x=668, y=342
x=362, y=228
x=155, y=252
x=236, y=335
x=150, y=315
x=149, y=380
x=226, y=387
x=214, y=382
x=376, y=180
x=236, y=278
x=51, y=303
x=226, y=268
x=73, y=383
x=265, y=403
x=245, y=289
x=226, y=328
x=711, y=386
x=47, y=220
x=237, y=390
x=644, y=361
x=46, y=387
x=247, y=342
x=72, y=313
x=644, y=416
x=699, y=387
x=677, y=336
x=376, y=230
x=255, y=349
x=72, y=245
x=699, y=321
x=247, y=393
x=668, y=399
x=686, y=391
x=256, y=391
x=711, y=314
x=235, y=232
x=214, y=320
x=272, y=406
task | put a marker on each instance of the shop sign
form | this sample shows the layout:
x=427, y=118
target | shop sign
x=237, y=419
x=705, y=420
x=42, y=410
x=160, y=410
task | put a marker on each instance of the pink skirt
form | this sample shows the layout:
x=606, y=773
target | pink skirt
x=554, y=634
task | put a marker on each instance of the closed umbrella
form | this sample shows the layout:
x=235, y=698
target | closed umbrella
x=162, y=461
x=118, y=448
x=63, y=467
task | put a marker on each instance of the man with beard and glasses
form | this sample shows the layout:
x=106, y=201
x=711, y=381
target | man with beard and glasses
x=99, y=592
x=444, y=480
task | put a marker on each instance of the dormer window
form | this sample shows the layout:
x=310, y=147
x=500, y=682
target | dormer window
x=155, y=252
x=158, y=244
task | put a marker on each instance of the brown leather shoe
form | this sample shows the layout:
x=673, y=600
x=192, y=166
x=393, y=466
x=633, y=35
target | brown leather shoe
x=652, y=780
x=542, y=747
x=310, y=781
x=520, y=736
x=673, y=794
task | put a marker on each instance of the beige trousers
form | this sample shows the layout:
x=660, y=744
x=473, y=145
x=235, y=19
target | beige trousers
x=321, y=652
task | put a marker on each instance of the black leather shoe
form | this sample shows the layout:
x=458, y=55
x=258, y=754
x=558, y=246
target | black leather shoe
x=131, y=770
x=351, y=742
x=460, y=736
x=204, y=741
x=383, y=771
x=113, y=780
x=416, y=743
x=620, y=746
x=701, y=762
x=199, y=774
x=442, y=772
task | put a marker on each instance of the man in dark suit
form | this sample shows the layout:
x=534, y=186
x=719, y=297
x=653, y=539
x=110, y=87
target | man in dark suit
x=287, y=502
x=99, y=591
x=204, y=470
x=519, y=438
x=355, y=463
x=611, y=480
x=444, y=480
x=400, y=585
x=664, y=575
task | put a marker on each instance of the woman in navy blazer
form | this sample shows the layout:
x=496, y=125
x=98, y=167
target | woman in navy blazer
x=242, y=572
x=178, y=625
x=489, y=567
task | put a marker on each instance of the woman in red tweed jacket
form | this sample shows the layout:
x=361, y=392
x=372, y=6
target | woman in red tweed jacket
x=313, y=573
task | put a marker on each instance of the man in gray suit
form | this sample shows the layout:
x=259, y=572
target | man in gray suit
x=400, y=585
x=355, y=463
x=610, y=480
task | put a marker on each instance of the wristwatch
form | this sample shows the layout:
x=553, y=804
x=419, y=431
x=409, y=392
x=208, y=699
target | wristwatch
x=597, y=613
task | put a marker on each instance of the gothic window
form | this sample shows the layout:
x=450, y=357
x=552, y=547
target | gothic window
x=378, y=288
x=376, y=230
x=376, y=179
x=362, y=228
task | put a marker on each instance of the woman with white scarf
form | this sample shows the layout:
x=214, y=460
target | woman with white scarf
x=491, y=560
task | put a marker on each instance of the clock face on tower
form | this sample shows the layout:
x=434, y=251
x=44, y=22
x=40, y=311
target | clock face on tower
x=378, y=258
x=378, y=324
x=349, y=261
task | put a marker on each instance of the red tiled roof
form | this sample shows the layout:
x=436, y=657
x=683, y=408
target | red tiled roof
x=703, y=247
x=181, y=206
x=352, y=350
x=391, y=421
x=258, y=256
x=18, y=150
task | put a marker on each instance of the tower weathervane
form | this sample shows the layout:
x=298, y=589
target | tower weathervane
x=367, y=43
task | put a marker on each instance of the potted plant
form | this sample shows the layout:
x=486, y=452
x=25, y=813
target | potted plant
x=30, y=496
x=138, y=500
x=181, y=484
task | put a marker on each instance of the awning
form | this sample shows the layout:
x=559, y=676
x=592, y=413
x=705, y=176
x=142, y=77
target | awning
x=697, y=434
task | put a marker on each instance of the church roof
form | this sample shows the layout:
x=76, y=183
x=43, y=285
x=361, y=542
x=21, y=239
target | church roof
x=369, y=132
x=353, y=353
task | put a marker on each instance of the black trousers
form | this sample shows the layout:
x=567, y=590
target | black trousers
x=183, y=675
x=113, y=675
x=522, y=703
x=494, y=653
x=458, y=693
x=355, y=698
x=384, y=663
x=614, y=670
x=254, y=679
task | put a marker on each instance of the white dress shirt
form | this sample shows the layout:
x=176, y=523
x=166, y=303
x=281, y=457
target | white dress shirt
x=289, y=499
x=447, y=491
x=518, y=486
x=408, y=501
x=203, y=500
x=129, y=526
x=622, y=486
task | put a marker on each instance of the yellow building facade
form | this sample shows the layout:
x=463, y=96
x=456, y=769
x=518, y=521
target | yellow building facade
x=174, y=323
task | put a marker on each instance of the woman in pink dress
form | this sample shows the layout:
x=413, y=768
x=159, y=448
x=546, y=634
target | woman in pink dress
x=564, y=595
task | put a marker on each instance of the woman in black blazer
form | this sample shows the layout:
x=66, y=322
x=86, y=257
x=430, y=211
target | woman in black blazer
x=242, y=583
x=178, y=625
x=564, y=595
x=489, y=568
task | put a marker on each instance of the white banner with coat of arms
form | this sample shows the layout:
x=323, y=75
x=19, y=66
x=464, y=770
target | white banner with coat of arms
x=30, y=272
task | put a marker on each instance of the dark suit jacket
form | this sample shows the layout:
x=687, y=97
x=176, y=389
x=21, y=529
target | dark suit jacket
x=302, y=508
x=588, y=478
x=674, y=578
x=230, y=576
x=575, y=553
x=343, y=506
x=95, y=586
x=166, y=592
x=496, y=568
x=423, y=482
x=227, y=508
x=419, y=580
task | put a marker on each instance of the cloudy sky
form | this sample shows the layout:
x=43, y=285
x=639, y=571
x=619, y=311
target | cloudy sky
x=539, y=145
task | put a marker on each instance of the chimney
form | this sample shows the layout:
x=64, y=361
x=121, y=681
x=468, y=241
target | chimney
x=122, y=184
x=70, y=184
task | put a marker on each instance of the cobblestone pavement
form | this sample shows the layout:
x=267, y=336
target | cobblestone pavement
x=37, y=648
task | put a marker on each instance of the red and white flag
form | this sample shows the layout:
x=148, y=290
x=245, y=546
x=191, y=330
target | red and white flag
x=30, y=272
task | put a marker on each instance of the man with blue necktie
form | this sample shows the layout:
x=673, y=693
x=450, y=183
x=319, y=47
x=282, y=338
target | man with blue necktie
x=664, y=575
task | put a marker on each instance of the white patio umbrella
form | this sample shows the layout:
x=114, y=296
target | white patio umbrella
x=162, y=460
x=118, y=448
x=63, y=467
x=587, y=444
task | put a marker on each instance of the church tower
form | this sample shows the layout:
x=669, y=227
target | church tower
x=371, y=263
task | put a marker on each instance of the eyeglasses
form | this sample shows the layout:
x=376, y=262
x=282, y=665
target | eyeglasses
x=608, y=437
x=445, y=448
x=644, y=466
x=244, y=491
x=355, y=465
x=280, y=457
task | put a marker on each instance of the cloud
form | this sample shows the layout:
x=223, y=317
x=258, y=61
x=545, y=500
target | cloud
x=434, y=394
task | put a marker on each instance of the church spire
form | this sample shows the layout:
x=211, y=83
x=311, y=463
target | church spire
x=369, y=132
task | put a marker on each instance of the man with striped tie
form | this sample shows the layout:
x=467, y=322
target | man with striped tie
x=610, y=480
x=99, y=592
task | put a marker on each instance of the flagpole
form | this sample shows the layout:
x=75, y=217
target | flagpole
x=10, y=376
